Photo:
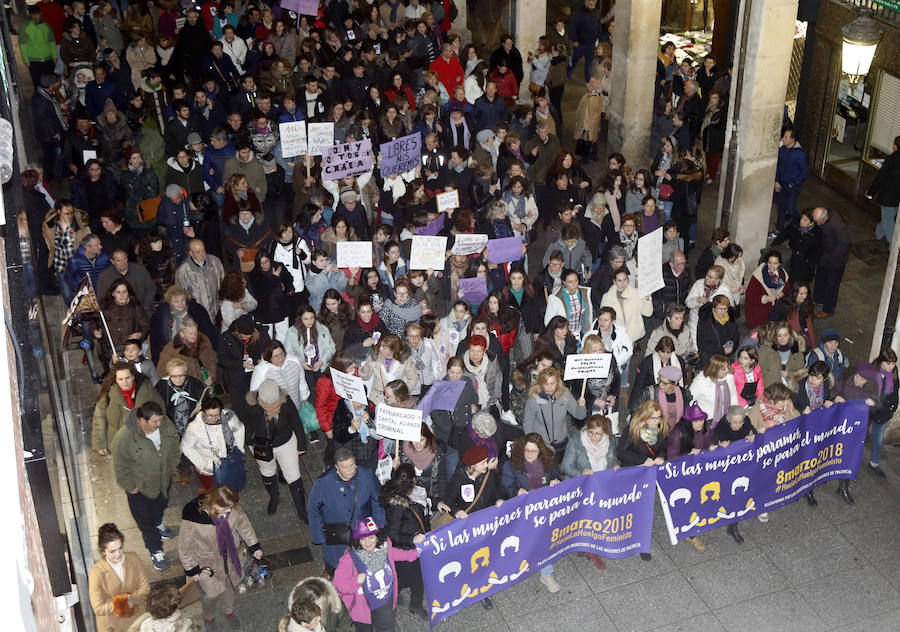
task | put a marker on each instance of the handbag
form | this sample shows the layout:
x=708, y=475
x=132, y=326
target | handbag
x=442, y=518
x=263, y=450
x=248, y=255
x=309, y=418
x=341, y=533
x=665, y=191
x=583, y=144
x=147, y=209
x=230, y=470
x=534, y=87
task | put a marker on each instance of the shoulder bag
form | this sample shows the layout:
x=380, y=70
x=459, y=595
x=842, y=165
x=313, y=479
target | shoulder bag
x=442, y=518
x=263, y=450
x=341, y=533
x=230, y=470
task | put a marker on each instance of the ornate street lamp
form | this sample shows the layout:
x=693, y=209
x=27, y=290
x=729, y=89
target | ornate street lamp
x=861, y=36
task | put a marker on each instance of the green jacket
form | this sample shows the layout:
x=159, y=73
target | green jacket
x=138, y=187
x=36, y=42
x=138, y=464
x=110, y=412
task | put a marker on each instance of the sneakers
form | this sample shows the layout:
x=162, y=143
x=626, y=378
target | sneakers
x=763, y=517
x=159, y=560
x=773, y=234
x=509, y=417
x=550, y=583
x=233, y=622
x=165, y=532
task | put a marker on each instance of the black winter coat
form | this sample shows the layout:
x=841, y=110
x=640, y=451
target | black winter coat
x=675, y=290
x=279, y=432
x=403, y=520
x=806, y=248
x=712, y=336
x=161, y=326
x=631, y=454
x=886, y=185
x=460, y=481
x=366, y=454
x=271, y=292
x=231, y=359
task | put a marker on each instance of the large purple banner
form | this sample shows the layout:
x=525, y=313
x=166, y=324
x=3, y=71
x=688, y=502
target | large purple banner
x=609, y=513
x=718, y=487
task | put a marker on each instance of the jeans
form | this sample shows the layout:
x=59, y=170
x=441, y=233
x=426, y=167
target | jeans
x=878, y=431
x=64, y=289
x=218, y=198
x=667, y=209
x=827, y=286
x=623, y=370
x=382, y=620
x=786, y=201
x=547, y=570
x=451, y=460
x=148, y=514
x=586, y=51
x=885, y=228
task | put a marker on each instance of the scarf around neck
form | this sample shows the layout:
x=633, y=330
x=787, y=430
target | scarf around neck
x=370, y=326
x=486, y=442
x=225, y=540
x=596, y=452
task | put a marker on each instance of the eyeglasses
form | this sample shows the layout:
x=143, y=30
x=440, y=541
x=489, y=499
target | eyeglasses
x=663, y=382
x=656, y=418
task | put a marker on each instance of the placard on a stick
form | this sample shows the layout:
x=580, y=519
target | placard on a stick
x=586, y=365
x=293, y=138
x=427, y=253
x=404, y=424
x=448, y=201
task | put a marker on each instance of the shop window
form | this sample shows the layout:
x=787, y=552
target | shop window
x=885, y=120
x=848, y=128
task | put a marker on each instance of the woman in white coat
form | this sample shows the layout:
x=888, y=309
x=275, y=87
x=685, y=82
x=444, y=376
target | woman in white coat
x=630, y=307
x=732, y=262
x=714, y=391
x=310, y=342
x=283, y=367
x=210, y=436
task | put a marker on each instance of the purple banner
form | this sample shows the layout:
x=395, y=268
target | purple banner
x=505, y=249
x=609, y=513
x=303, y=7
x=718, y=487
x=347, y=159
x=400, y=154
x=474, y=290
x=442, y=395
x=433, y=228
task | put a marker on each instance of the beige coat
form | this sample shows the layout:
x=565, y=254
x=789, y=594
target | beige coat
x=770, y=361
x=198, y=548
x=48, y=230
x=588, y=116
x=635, y=308
x=104, y=585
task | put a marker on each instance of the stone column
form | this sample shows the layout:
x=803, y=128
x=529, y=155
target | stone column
x=765, y=33
x=460, y=23
x=531, y=24
x=633, y=70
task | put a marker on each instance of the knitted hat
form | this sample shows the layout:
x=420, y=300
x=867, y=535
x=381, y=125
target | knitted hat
x=484, y=135
x=109, y=106
x=173, y=190
x=349, y=196
x=245, y=325
x=831, y=334
x=364, y=528
x=193, y=138
x=475, y=454
x=268, y=392
x=671, y=373
x=694, y=413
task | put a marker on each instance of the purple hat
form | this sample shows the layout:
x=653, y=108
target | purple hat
x=671, y=373
x=364, y=528
x=694, y=413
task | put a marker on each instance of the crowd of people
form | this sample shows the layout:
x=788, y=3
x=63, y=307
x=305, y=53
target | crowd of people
x=223, y=315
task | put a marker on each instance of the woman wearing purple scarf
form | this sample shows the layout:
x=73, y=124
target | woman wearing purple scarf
x=885, y=378
x=211, y=527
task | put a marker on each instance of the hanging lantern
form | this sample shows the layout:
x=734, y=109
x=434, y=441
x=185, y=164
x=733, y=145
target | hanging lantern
x=861, y=36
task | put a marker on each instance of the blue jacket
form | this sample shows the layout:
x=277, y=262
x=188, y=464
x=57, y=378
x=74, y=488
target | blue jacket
x=486, y=114
x=331, y=500
x=836, y=363
x=79, y=265
x=95, y=96
x=171, y=217
x=793, y=167
x=214, y=164
x=286, y=117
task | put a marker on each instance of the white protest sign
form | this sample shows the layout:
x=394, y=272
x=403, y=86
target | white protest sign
x=428, y=253
x=349, y=386
x=354, y=254
x=585, y=365
x=447, y=201
x=319, y=136
x=650, y=277
x=404, y=424
x=384, y=469
x=466, y=244
x=293, y=138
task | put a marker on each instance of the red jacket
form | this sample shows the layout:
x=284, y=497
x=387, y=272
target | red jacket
x=54, y=16
x=391, y=94
x=449, y=72
x=327, y=401
x=507, y=86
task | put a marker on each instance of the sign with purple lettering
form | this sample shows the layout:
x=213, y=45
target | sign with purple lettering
x=433, y=228
x=400, y=154
x=347, y=159
x=473, y=290
x=303, y=7
x=719, y=487
x=609, y=514
x=504, y=249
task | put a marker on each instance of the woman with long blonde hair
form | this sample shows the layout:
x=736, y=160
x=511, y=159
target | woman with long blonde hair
x=547, y=409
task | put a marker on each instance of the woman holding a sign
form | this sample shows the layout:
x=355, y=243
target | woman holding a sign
x=601, y=394
x=548, y=409
x=403, y=309
x=390, y=360
x=310, y=341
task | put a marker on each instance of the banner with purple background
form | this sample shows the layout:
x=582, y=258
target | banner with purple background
x=609, y=513
x=715, y=488
x=303, y=7
x=400, y=154
x=347, y=159
x=504, y=249
x=474, y=290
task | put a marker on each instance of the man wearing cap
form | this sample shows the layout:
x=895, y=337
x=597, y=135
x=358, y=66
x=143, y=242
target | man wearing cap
x=201, y=274
x=37, y=45
x=174, y=215
x=339, y=498
x=828, y=352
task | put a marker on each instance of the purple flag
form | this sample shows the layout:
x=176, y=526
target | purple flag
x=303, y=7
x=474, y=290
x=400, y=154
x=727, y=485
x=505, y=249
x=442, y=395
x=433, y=228
x=609, y=513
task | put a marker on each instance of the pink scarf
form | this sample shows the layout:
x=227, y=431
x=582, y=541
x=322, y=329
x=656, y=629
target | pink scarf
x=672, y=412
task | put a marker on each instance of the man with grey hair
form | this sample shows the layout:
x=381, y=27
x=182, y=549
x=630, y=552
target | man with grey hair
x=677, y=279
x=89, y=259
x=835, y=253
x=733, y=427
x=201, y=274
x=339, y=498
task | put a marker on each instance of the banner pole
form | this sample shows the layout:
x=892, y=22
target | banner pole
x=583, y=386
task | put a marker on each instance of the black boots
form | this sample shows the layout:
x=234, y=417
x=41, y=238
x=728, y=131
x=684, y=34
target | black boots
x=299, y=497
x=843, y=491
x=735, y=533
x=811, y=499
x=271, y=484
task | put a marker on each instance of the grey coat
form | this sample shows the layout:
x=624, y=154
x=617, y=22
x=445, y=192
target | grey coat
x=576, y=460
x=575, y=258
x=549, y=418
